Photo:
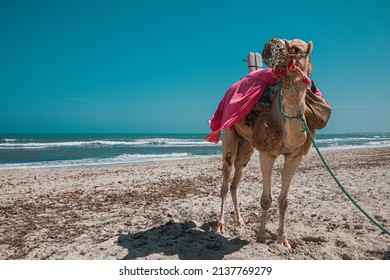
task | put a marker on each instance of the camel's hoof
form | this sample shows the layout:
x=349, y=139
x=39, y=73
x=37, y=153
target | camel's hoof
x=260, y=237
x=241, y=223
x=220, y=228
x=282, y=239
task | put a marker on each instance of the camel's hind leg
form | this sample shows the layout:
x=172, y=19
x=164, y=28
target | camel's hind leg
x=244, y=153
x=229, y=154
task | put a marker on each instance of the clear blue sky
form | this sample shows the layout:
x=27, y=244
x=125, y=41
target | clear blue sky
x=163, y=66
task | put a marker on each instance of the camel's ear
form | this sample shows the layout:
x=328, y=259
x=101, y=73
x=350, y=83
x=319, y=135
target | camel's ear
x=309, y=47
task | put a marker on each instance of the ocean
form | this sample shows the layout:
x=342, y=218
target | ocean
x=43, y=150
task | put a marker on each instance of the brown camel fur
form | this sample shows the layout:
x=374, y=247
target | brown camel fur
x=272, y=135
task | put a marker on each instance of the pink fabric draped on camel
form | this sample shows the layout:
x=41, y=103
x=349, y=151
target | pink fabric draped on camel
x=239, y=100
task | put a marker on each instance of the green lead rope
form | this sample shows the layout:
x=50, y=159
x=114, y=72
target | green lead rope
x=299, y=116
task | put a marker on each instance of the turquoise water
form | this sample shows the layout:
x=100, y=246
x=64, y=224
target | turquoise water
x=37, y=150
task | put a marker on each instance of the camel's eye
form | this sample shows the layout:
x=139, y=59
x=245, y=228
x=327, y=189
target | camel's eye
x=296, y=49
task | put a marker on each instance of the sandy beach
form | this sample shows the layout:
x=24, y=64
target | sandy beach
x=167, y=210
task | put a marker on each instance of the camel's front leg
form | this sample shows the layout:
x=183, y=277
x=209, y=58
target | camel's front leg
x=266, y=162
x=290, y=167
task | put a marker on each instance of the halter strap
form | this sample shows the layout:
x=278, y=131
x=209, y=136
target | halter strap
x=292, y=66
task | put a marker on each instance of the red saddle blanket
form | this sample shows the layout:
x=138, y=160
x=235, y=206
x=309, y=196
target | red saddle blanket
x=239, y=100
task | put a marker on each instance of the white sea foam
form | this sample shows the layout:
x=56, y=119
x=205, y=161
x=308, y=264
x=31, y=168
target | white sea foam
x=9, y=140
x=42, y=145
x=378, y=143
x=90, y=162
x=349, y=139
x=149, y=142
x=173, y=142
x=366, y=145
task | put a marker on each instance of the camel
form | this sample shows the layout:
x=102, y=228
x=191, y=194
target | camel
x=272, y=135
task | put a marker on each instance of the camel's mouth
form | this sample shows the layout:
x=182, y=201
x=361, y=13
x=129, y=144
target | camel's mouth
x=275, y=54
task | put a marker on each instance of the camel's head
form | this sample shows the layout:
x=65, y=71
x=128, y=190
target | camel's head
x=280, y=55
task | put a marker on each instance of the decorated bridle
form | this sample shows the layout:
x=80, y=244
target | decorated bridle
x=292, y=65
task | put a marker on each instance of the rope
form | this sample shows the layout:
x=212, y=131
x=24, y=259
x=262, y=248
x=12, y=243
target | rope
x=306, y=128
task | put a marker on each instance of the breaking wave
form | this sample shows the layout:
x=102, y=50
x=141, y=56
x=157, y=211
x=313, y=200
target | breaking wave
x=89, y=162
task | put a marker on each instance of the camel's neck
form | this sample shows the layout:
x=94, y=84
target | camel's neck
x=294, y=92
x=294, y=97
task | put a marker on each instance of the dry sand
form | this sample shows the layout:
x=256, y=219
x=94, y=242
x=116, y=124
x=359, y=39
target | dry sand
x=167, y=210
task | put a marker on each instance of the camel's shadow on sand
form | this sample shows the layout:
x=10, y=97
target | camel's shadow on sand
x=186, y=240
